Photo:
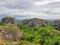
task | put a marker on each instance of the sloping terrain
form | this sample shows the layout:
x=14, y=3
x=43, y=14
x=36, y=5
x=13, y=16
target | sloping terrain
x=10, y=32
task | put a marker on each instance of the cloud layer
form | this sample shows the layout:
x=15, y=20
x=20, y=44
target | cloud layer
x=45, y=9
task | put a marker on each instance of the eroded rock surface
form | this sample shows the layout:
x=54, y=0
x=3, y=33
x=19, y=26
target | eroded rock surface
x=10, y=33
x=35, y=22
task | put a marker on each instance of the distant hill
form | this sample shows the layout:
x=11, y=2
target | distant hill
x=35, y=22
x=9, y=20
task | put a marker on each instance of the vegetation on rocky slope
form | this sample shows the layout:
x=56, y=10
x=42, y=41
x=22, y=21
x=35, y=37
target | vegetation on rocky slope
x=29, y=32
x=43, y=35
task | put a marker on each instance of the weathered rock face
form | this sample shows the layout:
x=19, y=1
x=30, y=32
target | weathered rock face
x=11, y=34
x=57, y=24
x=9, y=21
x=35, y=22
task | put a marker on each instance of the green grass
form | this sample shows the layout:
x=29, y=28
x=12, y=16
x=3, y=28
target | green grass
x=12, y=27
x=17, y=43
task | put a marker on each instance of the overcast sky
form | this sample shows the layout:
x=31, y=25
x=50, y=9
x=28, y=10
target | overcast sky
x=45, y=9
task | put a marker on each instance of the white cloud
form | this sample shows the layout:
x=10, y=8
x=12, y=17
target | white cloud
x=40, y=3
x=37, y=3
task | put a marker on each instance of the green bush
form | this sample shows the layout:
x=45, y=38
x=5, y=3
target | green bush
x=43, y=35
x=2, y=24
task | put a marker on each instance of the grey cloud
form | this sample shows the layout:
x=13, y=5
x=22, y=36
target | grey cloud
x=51, y=13
x=53, y=5
x=49, y=8
x=19, y=4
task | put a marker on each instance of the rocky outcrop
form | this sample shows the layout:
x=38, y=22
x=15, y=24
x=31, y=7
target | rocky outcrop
x=57, y=24
x=9, y=21
x=35, y=22
x=10, y=33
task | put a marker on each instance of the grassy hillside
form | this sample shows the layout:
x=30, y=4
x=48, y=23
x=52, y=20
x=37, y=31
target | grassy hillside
x=22, y=34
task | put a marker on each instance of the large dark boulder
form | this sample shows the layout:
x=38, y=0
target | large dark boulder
x=9, y=21
x=35, y=22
